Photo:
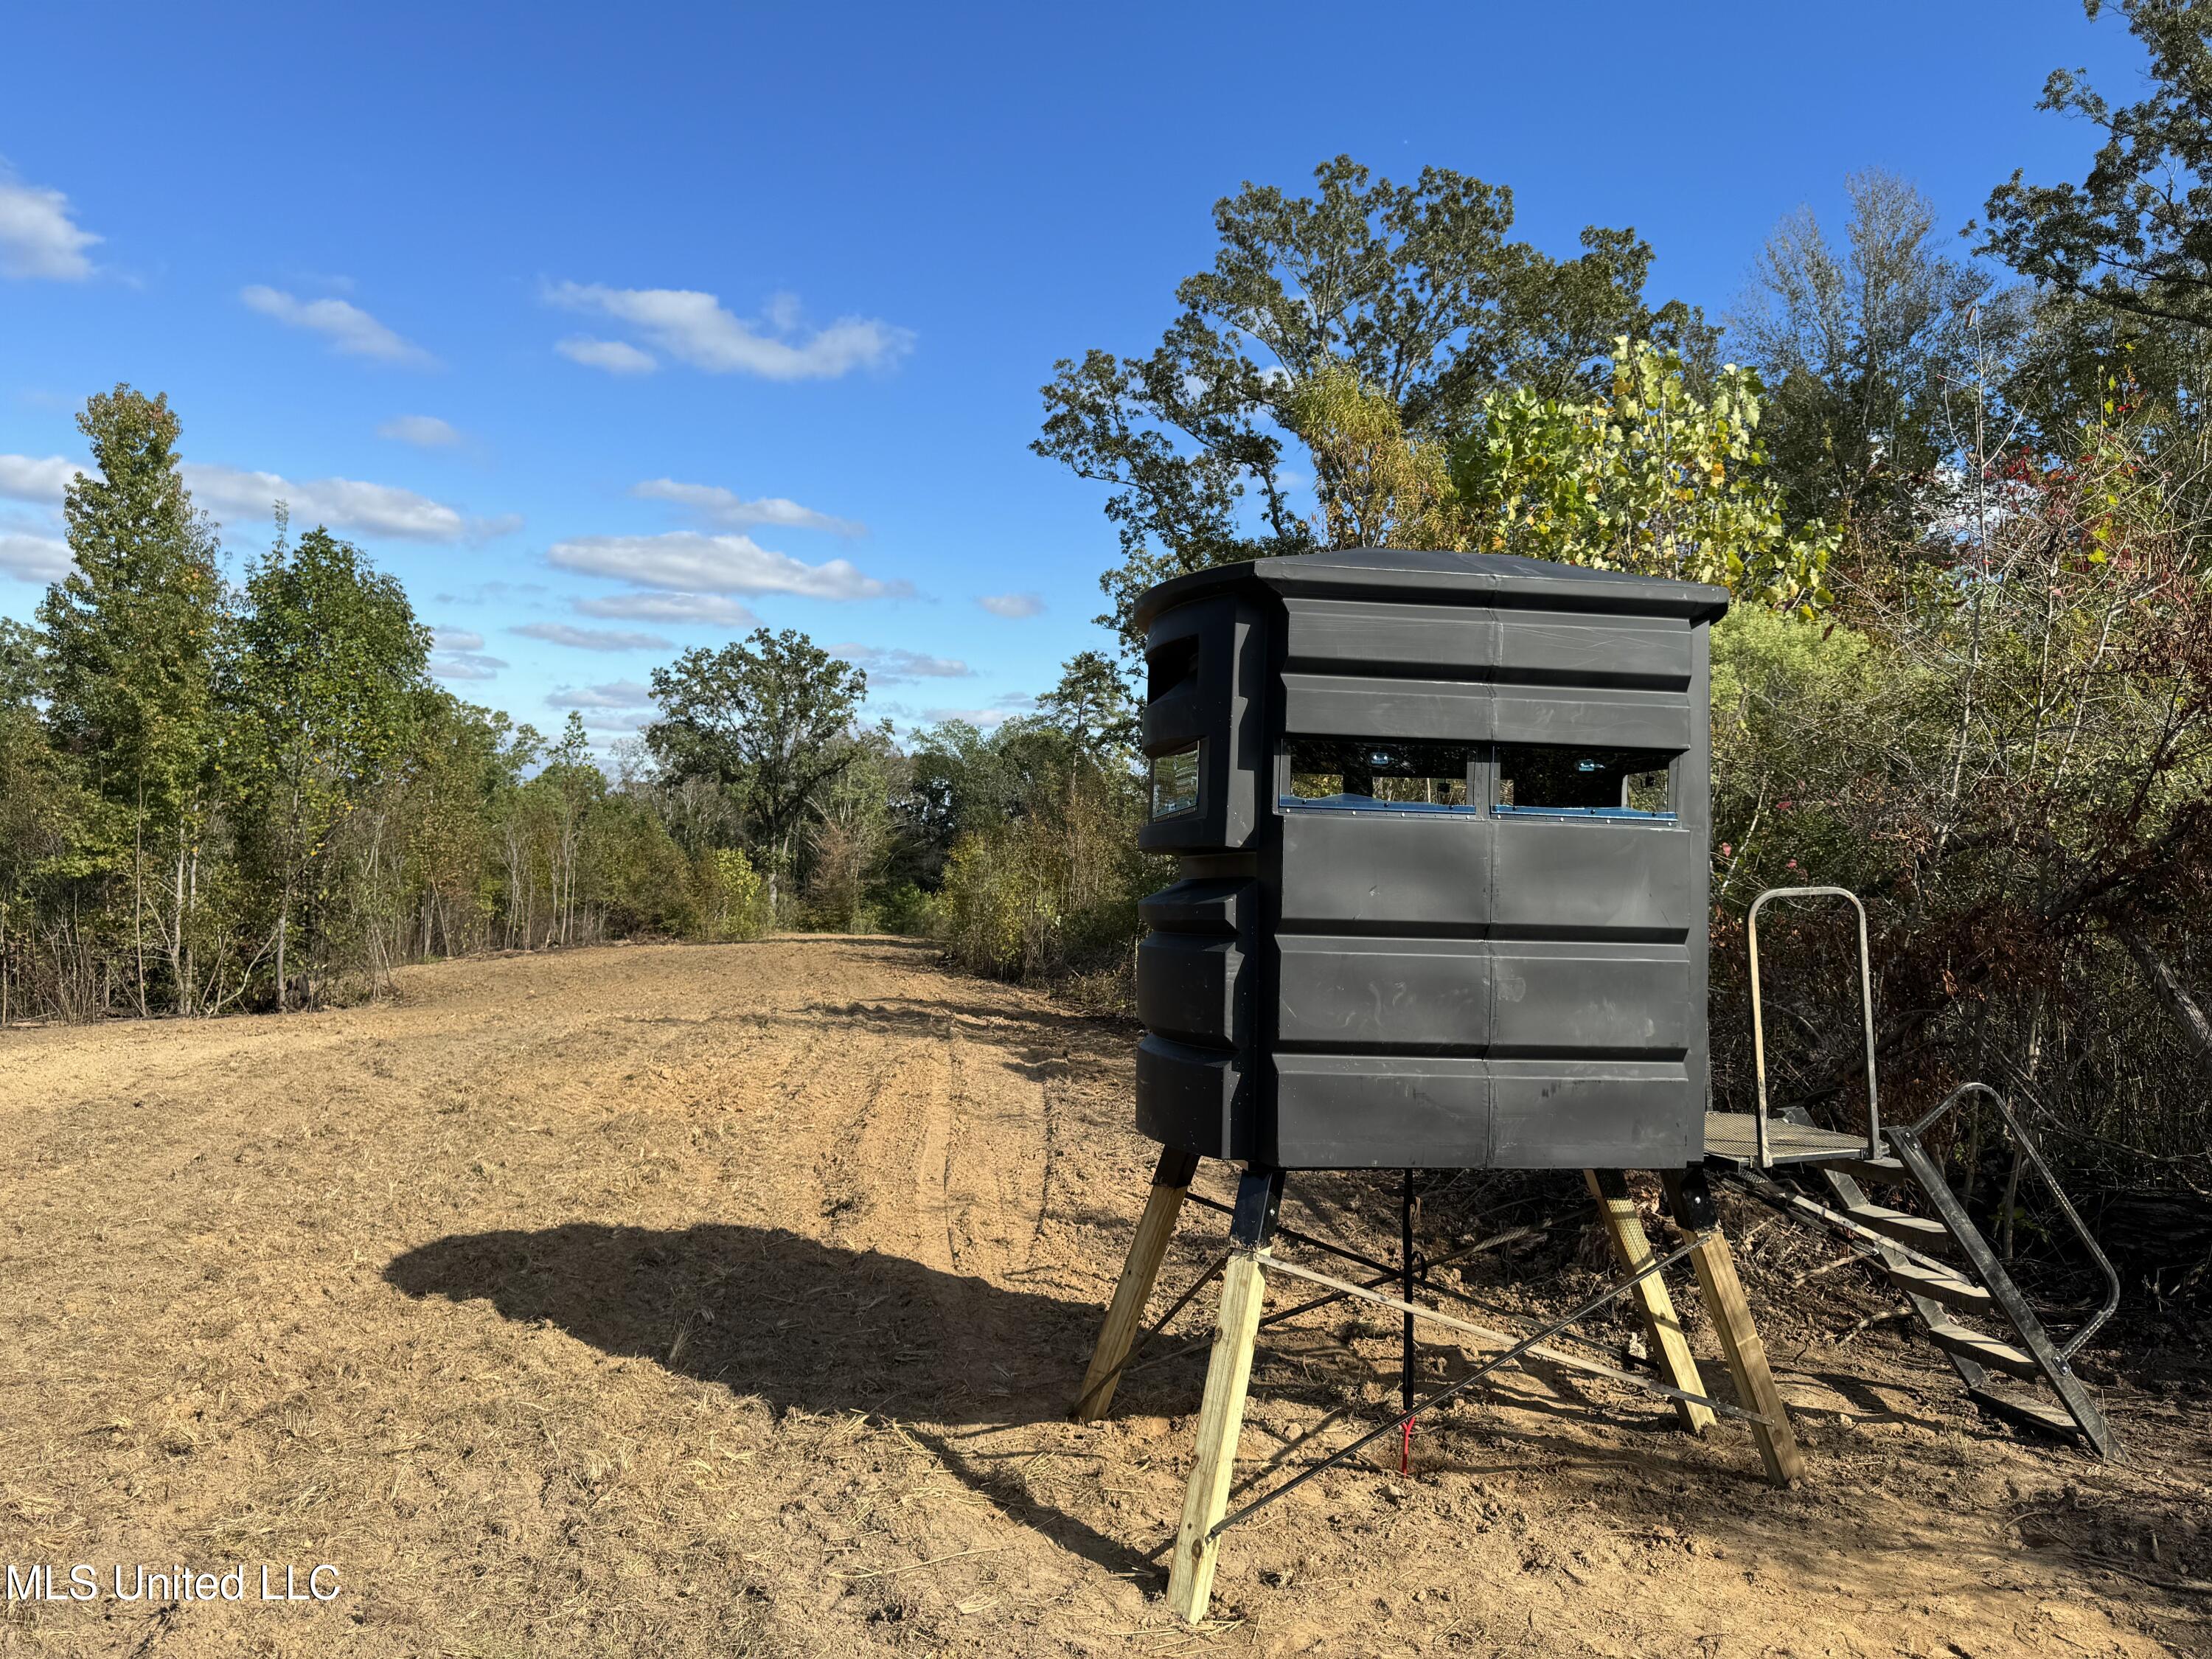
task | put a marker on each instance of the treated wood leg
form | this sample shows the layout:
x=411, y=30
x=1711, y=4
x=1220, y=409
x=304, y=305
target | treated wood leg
x=1670, y=1349
x=1221, y=1412
x=1170, y=1181
x=1739, y=1333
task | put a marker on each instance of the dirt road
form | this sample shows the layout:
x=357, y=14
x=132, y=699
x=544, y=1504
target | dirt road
x=727, y=1300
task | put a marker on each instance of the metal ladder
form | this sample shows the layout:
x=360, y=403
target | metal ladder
x=1940, y=1261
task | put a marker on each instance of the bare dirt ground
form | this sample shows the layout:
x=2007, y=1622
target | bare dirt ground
x=727, y=1300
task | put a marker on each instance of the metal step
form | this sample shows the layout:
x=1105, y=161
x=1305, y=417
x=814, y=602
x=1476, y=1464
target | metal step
x=2079, y=1415
x=1916, y=1230
x=1959, y=1295
x=1983, y=1350
x=1885, y=1172
x=2032, y=1414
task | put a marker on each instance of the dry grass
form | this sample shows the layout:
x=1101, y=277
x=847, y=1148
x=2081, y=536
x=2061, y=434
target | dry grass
x=725, y=1300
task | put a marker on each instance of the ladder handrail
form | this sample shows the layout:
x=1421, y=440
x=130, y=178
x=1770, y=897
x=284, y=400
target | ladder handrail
x=2027, y=1148
x=1866, y=1002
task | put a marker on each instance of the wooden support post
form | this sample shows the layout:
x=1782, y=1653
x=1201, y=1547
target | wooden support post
x=1692, y=1204
x=1670, y=1349
x=1126, y=1313
x=1221, y=1412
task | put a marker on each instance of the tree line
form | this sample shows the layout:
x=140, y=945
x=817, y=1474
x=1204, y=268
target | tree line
x=219, y=796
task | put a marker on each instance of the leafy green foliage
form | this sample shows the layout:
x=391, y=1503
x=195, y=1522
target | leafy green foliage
x=1381, y=488
x=1039, y=876
x=1651, y=478
x=330, y=660
x=133, y=637
x=731, y=901
x=2135, y=235
x=1874, y=351
x=767, y=719
x=1414, y=289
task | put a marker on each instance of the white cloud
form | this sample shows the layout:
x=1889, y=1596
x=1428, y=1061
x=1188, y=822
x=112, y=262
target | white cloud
x=982, y=717
x=1012, y=605
x=349, y=329
x=691, y=562
x=617, y=706
x=490, y=592
x=33, y=558
x=615, y=356
x=891, y=665
x=500, y=524
x=592, y=639
x=423, y=431
x=465, y=666
x=727, y=510
x=1003, y=707
x=692, y=327
x=38, y=238
x=707, y=610
x=35, y=478
x=612, y=694
x=457, y=639
x=371, y=510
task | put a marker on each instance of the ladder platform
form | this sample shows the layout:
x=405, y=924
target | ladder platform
x=1732, y=1138
x=1916, y=1230
x=1959, y=1295
x=2032, y=1414
x=1983, y=1350
x=1887, y=1171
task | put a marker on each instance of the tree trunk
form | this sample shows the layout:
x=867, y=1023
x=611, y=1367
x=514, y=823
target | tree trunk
x=2187, y=1014
x=181, y=995
x=139, y=898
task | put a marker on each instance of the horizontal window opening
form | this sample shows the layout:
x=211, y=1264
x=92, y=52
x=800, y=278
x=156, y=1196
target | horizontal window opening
x=1169, y=666
x=1356, y=772
x=1595, y=782
x=1174, y=782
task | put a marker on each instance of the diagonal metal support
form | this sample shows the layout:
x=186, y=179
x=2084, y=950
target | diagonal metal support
x=1282, y=1315
x=1553, y=1356
x=1528, y=1345
x=1297, y=1238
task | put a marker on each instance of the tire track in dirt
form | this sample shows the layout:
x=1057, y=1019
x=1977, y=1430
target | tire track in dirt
x=995, y=1165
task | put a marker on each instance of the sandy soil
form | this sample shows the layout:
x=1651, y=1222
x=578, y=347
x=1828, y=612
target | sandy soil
x=727, y=1300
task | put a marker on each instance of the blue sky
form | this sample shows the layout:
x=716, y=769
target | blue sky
x=622, y=326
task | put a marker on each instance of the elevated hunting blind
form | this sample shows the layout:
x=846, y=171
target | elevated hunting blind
x=1443, y=821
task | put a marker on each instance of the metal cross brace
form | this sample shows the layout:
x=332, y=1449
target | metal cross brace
x=1527, y=1345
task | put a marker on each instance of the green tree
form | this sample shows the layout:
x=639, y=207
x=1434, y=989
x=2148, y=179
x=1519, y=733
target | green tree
x=1415, y=289
x=851, y=834
x=134, y=635
x=1651, y=478
x=1381, y=487
x=565, y=790
x=768, y=719
x=433, y=847
x=1873, y=359
x=42, y=815
x=1092, y=706
x=2135, y=235
x=330, y=660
